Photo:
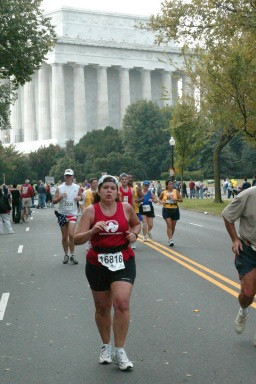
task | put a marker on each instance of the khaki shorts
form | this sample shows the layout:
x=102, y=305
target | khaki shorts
x=26, y=202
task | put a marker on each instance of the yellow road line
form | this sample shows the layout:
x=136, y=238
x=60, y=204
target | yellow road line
x=190, y=267
x=216, y=274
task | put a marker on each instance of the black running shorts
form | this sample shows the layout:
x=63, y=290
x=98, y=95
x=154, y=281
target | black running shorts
x=100, y=278
x=246, y=260
x=171, y=213
x=151, y=213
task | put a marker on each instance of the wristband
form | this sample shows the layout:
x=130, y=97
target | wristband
x=136, y=235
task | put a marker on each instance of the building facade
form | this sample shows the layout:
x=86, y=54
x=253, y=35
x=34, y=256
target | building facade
x=101, y=64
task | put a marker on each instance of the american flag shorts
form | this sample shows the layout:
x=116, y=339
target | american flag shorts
x=65, y=219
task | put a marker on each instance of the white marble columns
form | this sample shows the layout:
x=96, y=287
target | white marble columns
x=15, y=120
x=167, y=88
x=29, y=111
x=146, y=84
x=65, y=101
x=102, y=98
x=175, y=88
x=124, y=86
x=79, y=103
x=188, y=89
x=44, y=120
x=58, y=104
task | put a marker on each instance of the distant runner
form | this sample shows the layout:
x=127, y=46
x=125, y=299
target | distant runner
x=126, y=192
x=67, y=195
x=146, y=210
x=138, y=196
x=171, y=213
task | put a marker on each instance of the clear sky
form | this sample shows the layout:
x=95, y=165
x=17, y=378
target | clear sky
x=133, y=7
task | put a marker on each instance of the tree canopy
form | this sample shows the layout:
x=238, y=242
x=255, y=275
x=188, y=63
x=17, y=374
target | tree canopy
x=146, y=135
x=189, y=135
x=206, y=23
x=26, y=36
x=217, y=39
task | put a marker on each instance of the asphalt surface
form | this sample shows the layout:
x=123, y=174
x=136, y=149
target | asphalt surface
x=182, y=309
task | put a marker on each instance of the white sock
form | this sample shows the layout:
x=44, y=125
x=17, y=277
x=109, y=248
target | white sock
x=244, y=311
x=105, y=345
x=119, y=349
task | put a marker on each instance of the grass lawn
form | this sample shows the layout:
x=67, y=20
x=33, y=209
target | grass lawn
x=204, y=205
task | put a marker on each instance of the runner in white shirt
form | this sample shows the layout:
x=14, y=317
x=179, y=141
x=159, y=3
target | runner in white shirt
x=67, y=195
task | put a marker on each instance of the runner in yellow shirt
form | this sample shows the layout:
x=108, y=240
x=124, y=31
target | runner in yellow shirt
x=137, y=195
x=88, y=194
x=169, y=199
x=88, y=198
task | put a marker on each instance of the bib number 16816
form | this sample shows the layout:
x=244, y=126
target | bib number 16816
x=113, y=261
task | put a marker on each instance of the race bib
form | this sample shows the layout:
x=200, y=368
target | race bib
x=125, y=199
x=146, y=208
x=113, y=261
x=170, y=201
x=69, y=205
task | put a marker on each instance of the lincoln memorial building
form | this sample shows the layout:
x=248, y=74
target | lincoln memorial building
x=100, y=65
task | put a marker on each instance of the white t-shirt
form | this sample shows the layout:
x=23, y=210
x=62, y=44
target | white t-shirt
x=243, y=207
x=52, y=190
x=68, y=205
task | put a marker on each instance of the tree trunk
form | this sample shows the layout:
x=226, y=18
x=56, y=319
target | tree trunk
x=216, y=168
x=181, y=176
x=223, y=140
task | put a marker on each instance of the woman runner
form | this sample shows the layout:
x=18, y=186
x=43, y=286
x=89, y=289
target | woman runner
x=147, y=210
x=169, y=199
x=110, y=225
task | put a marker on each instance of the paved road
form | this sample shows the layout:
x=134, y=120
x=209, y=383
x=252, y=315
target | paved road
x=183, y=309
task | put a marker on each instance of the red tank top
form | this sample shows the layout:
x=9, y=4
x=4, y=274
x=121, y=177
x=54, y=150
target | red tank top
x=126, y=196
x=113, y=236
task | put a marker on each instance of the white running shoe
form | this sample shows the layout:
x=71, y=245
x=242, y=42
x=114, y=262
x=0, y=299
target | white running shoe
x=133, y=246
x=105, y=354
x=122, y=360
x=145, y=238
x=149, y=235
x=73, y=259
x=171, y=243
x=240, y=322
x=66, y=259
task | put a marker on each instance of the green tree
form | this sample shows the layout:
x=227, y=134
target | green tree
x=206, y=23
x=98, y=143
x=115, y=164
x=227, y=78
x=42, y=160
x=14, y=166
x=145, y=134
x=5, y=101
x=222, y=37
x=26, y=36
x=57, y=170
x=188, y=132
